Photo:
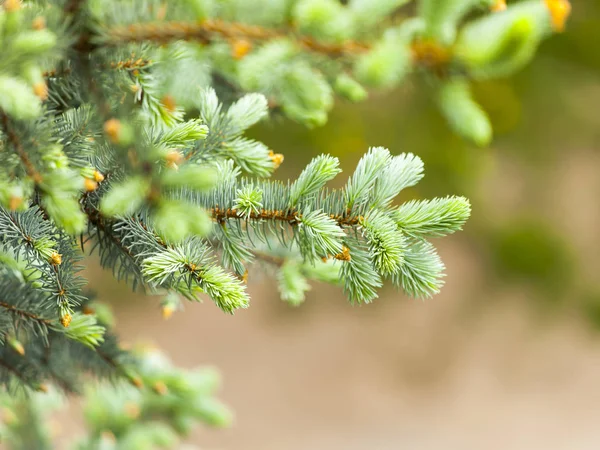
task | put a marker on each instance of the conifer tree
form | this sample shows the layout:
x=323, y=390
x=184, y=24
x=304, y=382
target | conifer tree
x=122, y=135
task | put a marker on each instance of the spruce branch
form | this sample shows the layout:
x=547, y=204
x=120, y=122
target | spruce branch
x=17, y=146
x=19, y=312
x=112, y=131
x=206, y=32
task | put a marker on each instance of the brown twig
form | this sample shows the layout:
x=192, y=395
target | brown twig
x=14, y=140
x=290, y=217
x=272, y=259
x=130, y=64
x=73, y=6
x=24, y=313
x=206, y=31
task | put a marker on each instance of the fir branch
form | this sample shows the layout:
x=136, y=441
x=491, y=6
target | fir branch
x=130, y=64
x=16, y=144
x=206, y=31
x=289, y=216
x=59, y=278
x=269, y=258
x=13, y=370
x=20, y=312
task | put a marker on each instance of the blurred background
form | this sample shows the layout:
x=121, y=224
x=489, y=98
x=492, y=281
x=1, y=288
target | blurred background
x=507, y=356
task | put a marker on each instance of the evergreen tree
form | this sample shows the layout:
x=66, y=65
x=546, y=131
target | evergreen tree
x=122, y=134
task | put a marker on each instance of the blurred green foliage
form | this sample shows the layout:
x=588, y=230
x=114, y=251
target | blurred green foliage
x=528, y=250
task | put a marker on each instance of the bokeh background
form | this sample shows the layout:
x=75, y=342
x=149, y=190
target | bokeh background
x=507, y=356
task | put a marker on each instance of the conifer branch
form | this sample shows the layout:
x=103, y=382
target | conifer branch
x=10, y=368
x=289, y=216
x=17, y=146
x=14, y=310
x=171, y=180
x=206, y=31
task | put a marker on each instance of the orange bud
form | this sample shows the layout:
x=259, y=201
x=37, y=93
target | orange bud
x=66, y=320
x=39, y=23
x=89, y=185
x=169, y=102
x=98, y=177
x=277, y=158
x=240, y=48
x=160, y=388
x=137, y=382
x=559, y=13
x=499, y=5
x=41, y=90
x=167, y=311
x=14, y=202
x=173, y=158
x=345, y=255
x=12, y=5
x=132, y=410
x=17, y=347
x=55, y=259
x=112, y=128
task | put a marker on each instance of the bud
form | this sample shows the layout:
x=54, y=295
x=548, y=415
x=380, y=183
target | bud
x=43, y=387
x=89, y=185
x=55, y=259
x=559, y=13
x=169, y=103
x=112, y=128
x=14, y=202
x=240, y=48
x=132, y=410
x=119, y=132
x=498, y=5
x=16, y=346
x=137, y=382
x=463, y=114
x=134, y=379
x=160, y=388
x=65, y=320
x=385, y=64
x=349, y=88
x=12, y=5
x=39, y=23
x=277, y=158
x=167, y=311
x=98, y=177
x=344, y=255
x=173, y=159
x=125, y=197
x=41, y=90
